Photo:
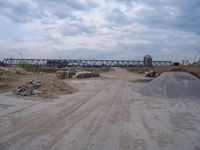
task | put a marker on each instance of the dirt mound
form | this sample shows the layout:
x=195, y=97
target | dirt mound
x=173, y=85
x=7, y=83
x=13, y=70
x=53, y=86
x=43, y=87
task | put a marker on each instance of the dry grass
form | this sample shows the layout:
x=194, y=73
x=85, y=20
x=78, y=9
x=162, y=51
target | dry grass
x=53, y=70
x=13, y=70
x=193, y=69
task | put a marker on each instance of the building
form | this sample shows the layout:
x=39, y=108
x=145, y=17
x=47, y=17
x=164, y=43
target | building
x=147, y=61
x=185, y=61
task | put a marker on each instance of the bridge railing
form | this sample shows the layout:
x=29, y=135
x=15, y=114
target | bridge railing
x=83, y=63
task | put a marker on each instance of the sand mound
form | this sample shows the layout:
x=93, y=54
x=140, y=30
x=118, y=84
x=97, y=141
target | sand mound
x=13, y=70
x=173, y=85
x=54, y=86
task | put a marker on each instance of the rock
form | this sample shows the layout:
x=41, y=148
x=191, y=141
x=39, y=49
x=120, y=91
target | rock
x=60, y=74
x=36, y=92
x=28, y=89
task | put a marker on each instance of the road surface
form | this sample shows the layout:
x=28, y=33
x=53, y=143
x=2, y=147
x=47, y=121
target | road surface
x=105, y=114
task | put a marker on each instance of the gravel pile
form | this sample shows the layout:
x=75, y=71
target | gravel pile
x=28, y=89
x=173, y=85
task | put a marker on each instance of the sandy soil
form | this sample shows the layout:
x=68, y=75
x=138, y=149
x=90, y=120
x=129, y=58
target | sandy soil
x=105, y=114
x=50, y=85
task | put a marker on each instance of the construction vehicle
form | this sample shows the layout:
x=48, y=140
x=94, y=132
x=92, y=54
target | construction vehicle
x=151, y=74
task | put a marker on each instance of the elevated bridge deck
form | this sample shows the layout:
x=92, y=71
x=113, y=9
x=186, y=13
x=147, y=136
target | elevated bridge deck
x=83, y=63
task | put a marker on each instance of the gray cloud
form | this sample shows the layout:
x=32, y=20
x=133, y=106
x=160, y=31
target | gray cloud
x=27, y=11
x=78, y=4
x=179, y=14
x=22, y=11
x=118, y=17
x=77, y=29
x=102, y=29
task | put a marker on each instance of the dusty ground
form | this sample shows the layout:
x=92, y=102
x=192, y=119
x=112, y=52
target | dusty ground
x=50, y=85
x=105, y=114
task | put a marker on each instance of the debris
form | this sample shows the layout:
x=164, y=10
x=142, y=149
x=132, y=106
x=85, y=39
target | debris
x=28, y=89
x=60, y=74
x=151, y=74
x=65, y=74
x=77, y=74
x=86, y=74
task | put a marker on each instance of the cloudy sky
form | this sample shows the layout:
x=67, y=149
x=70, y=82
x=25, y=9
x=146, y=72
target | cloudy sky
x=100, y=29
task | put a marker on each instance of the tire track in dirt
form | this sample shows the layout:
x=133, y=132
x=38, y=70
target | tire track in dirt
x=95, y=123
x=104, y=117
x=110, y=119
x=50, y=124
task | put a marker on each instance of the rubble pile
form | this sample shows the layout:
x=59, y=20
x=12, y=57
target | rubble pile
x=60, y=74
x=65, y=74
x=28, y=89
x=86, y=74
x=76, y=74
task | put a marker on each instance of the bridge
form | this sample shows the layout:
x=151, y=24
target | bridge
x=61, y=63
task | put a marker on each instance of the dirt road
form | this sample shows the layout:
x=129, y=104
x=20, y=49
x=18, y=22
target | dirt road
x=106, y=114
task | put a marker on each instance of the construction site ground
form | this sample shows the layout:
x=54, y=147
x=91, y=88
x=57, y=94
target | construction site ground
x=105, y=113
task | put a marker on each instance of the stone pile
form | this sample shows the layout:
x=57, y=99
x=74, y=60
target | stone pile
x=86, y=74
x=65, y=74
x=76, y=74
x=28, y=89
x=60, y=74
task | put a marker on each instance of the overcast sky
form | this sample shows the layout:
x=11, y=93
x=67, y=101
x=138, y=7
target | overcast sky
x=100, y=29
